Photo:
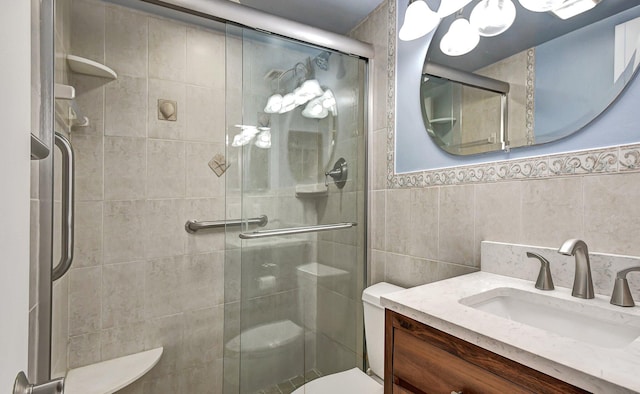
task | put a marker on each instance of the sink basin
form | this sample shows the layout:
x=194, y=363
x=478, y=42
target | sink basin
x=572, y=319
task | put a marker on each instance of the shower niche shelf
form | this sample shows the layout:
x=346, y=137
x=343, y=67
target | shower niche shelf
x=110, y=376
x=86, y=66
x=314, y=190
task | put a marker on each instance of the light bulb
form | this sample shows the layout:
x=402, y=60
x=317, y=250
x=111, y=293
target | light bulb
x=541, y=5
x=448, y=7
x=460, y=39
x=419, y=20
x=274, y=103
x=493, y=17
x=263, y=140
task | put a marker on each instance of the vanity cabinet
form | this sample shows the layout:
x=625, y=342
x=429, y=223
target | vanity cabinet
x=420, y=359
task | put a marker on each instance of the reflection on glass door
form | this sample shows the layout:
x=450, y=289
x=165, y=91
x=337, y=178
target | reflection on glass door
x=295, y=145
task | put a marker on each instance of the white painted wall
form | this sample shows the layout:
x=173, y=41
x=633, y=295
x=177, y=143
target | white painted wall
x=15, y=74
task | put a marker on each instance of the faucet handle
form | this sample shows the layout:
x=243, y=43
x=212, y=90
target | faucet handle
x=544, y=281
x=621, y=295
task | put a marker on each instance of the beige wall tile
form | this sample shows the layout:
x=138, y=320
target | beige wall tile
x=88, y=155
x=125, y=168
x=205, y=114
x=124, y=231
x=206, y=58
x=123, y=340
x=201, y=180
x=423, y=224
x=164, y=288
x=165, y=169
x=84, y=300
x=88, y=234
x=126, y=107
x=87, y=29
x=167, y=49
x=379, y=161
x=167, y=90
x=377, y=226
x=455, y=231
x=90, y=97
x=167, y=332
x=202, y=337
x=203, y=281
x=84, y=350
x=612, y=212
x=59, y=326
x=398, y=214
x=377, y=266
x=409, y=271
x=122, y=294
x=552, y=211
x=498, y=214
x=126, y=41
x=164, y=228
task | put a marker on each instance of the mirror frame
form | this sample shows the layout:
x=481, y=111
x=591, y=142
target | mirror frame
x=584, y=152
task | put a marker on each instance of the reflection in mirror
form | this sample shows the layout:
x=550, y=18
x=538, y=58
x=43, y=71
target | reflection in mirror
x=561, y=74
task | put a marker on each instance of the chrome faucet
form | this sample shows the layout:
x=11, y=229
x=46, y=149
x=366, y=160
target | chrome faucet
x=621, y=295
x=582, y=282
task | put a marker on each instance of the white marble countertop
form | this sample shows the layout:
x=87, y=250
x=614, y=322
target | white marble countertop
x=593, y=368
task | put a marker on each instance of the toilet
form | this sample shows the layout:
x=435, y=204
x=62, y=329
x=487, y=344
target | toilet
x=354, y=381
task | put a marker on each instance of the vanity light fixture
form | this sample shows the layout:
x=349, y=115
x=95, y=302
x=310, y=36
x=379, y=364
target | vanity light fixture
x=541, y=5
x=460, y=39
x=571, y=8
x=419, y=20
x=493, y=17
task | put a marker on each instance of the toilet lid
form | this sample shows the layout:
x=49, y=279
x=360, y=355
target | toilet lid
x=353, y=381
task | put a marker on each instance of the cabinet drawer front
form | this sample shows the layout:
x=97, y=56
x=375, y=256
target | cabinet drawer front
x=437, y=371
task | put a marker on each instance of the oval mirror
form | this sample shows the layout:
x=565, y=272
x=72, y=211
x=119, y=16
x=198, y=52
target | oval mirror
x=542, y=79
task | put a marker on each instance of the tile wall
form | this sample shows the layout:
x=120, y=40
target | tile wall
x=139, y=280
x=424, y=234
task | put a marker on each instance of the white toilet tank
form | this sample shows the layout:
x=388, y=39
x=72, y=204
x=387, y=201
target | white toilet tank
x=374, y=323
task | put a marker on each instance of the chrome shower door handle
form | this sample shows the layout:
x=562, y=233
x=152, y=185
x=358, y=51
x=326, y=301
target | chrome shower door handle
x=67, y=238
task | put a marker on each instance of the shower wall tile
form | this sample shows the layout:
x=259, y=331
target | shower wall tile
x=88, y=234
x=203, y=330
x=204, y=378
x=377, y=267
x=167, y=50
x=126, y=41
x=122, y=294
x=89, y=156
x=167, y=90
x=87, y=29
x=84, y=300
x=164, y=234
x=84, y=350
x=205, y=114
x=455, y=229
x=164, y=289
x=122, y=340
x=90, y=92
x=205, y=58
x=167, y=332
x=124, y=231
x=379, y=167
x=377, y=224
x=201, y=181
x=203, y=281
x=165, y=169
x=125, y=168
x=126, y=107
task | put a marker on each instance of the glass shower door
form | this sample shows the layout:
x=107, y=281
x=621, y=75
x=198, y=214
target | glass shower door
x=295, y=269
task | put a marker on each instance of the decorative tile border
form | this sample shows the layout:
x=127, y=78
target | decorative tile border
x=615, y=159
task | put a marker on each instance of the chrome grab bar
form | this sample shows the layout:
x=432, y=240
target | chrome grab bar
x=66, y=252
x=193, y=226
x=296, y=230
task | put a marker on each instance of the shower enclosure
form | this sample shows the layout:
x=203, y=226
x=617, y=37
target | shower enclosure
x=220, y=198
